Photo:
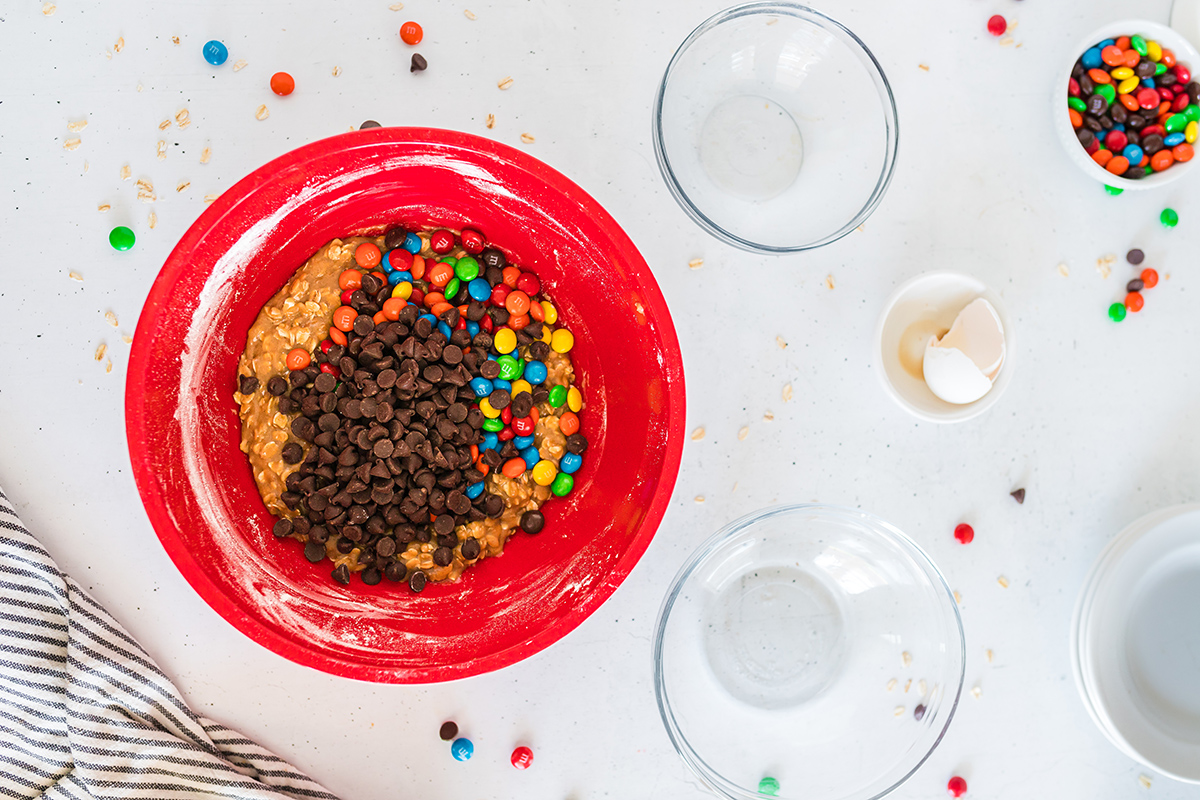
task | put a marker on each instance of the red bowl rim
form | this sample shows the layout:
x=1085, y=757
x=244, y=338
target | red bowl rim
x=303, y=653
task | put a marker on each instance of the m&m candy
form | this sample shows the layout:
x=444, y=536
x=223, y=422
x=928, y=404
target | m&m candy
x=121, y=238
x=215, y=53
x=282, y=84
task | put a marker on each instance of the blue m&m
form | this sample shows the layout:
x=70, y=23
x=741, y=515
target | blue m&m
x=535, y=372
x=412, y=243
x=462, y=749
x=215, y=53
x=570, y=463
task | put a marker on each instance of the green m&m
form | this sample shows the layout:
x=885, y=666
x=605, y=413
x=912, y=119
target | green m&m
x=558, y=395
x=121, y=238
x=562, y=485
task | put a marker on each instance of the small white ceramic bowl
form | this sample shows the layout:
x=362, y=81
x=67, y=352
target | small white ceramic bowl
x=920, y=307
x=1135, y=642
x=1168, y=38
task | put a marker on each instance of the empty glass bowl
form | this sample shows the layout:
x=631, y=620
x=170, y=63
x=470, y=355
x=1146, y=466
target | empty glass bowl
x=812, y=645
x=775, y=128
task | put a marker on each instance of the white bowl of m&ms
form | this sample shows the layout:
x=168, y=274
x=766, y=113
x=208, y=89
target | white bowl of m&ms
x=1130, y=116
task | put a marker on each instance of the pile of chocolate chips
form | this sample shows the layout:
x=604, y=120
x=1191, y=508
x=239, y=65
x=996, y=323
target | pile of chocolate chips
x=391, y=420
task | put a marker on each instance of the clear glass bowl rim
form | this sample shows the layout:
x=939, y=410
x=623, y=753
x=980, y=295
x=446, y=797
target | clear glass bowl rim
x=885, y=529
x=891, y=120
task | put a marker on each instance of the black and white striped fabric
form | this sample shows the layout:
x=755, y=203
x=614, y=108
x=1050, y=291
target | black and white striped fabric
x=86, y=714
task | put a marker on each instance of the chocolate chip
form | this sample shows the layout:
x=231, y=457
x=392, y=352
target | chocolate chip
x=277, y=386
x=533, y=521
x=490, y=370
x=341, y=574
x=282, y=528
x=416, y=581
x=919, y=712
x=443, y=556
x=1019, y=496
x=470, y=549
x=444, y=524
x=499, y=399
x=418, y=63
x=247, y=384
x=371, y=576
x=369, y=124
x=522, y=404
x=539, y=351
x=1135, y=285
x=395, y=571
x=494, y=505
x=577, y=444
x=314, y=551
x=448, y=731
x=1135, y=256
x=292, y=453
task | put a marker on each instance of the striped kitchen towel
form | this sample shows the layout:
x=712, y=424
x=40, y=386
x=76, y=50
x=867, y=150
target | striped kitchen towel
x=86, y=713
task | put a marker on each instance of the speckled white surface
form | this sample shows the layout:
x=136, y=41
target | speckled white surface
x=1100, y=424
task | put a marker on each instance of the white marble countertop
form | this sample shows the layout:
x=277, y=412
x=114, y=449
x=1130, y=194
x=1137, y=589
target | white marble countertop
x=1100, y=424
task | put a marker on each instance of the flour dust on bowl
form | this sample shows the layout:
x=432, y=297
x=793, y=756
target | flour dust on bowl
x=811, y=647
x=184, y=430
x=775, y=128
x=1135, y=645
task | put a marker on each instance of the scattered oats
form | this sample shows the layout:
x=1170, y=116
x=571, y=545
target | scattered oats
x=145, y=191
x=183, y=118
x=1144, y=780
x=1167, y=277
x=922, y=687
x=77, y=125
x=491, y=121
x=976, y=691
x=696, y=263
x=743, y=433
x=262, y=112
x=891, y=684
x=75, y=276
x=239, y=64
x=152, y=220
x=396, y=6
x=906, y=657
x=527, y=138
x=829, y=282
x=108, y=54
x=174, y=40
x=103, y=207
x=735, y=485
x=72, y=143
x=1012, y=26
x=779, y=340
x=1104, y=264
x=108, y=365
x=111, y=318
x=166, y=123
x=1006, y=41
x=468, y=13
x=100, y=351
x=126, y=172
x=699, y=498
x=48, y=9
x=1063, y=269
x=698, y=434
x=126, y=338
x=183, y=185
x=336, y=71
x=899, y=712
x=1003, y=581
x=907, y=685
x=139, y=87
x=161, y=153
x=86, y=165
x=120, y=45
x=768, y=416
x=957, y=597
x=990, y=655
x=504, y=84
x=787, y=392
x=206, y=155
x=208, y=198
x=923, y=66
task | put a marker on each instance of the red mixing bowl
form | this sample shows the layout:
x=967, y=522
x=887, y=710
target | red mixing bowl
x=184, y=429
